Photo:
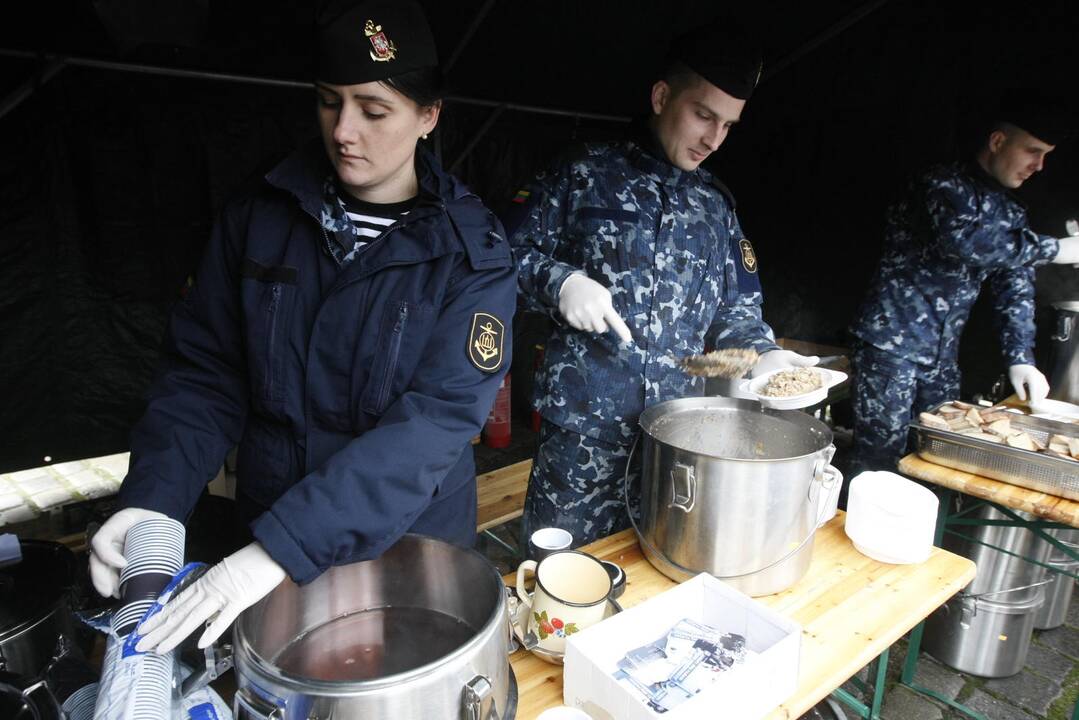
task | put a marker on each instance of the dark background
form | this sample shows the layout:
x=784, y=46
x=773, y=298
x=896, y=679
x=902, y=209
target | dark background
x=110, y=180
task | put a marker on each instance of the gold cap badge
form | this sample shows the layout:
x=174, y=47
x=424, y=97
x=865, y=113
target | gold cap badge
x=382, y=48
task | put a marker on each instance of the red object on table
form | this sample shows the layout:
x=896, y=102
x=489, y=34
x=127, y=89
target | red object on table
x=496, y=431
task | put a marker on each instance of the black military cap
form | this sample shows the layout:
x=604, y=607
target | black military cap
x=372, y=41
x=1039, y=113
x=724, y=54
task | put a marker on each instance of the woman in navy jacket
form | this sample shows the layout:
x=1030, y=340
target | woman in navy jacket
x=352, y=368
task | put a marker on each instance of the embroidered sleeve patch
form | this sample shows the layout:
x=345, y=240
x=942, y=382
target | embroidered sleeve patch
x=485, y=342
x=749, y=258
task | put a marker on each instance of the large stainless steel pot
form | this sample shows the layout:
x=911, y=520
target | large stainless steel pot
x=731, y=489
x=1001, y=552
x=35, y=606
x=1064, y=378
x=420, y=633
x=981, y=636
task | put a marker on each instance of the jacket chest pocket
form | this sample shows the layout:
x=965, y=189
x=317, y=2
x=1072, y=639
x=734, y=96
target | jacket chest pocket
x=699, y=281
x=270, y=291
x=395, y=352
x=612, y=249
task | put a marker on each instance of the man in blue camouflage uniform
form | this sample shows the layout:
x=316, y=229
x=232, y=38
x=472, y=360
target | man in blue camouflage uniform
x=637, y=256
x=957, y=226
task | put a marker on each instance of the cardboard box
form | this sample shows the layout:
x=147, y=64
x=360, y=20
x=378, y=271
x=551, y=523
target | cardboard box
x=679, y=656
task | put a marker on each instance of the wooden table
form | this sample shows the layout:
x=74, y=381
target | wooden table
x=1049, y=507
x=851, y=609
x=500, y=494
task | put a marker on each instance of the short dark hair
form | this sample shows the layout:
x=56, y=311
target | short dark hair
x=679, y=76
x=424, y=86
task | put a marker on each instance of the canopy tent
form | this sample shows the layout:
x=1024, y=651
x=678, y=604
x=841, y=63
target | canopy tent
x=125, y=125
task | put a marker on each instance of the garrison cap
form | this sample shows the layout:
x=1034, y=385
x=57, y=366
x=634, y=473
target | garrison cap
x=373, y=41
x=1039, y=113
x=723, y=54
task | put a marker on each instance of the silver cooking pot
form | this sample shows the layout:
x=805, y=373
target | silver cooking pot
x=35, y=611
x=732, y=489
x=1064, y=377
x=422, y=632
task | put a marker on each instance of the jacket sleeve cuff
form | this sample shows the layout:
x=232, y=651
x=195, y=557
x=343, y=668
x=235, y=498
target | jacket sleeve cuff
x=557, y=274
x=147, y=493
x=1048, y=248
x=1018, y=356
x=283, y=548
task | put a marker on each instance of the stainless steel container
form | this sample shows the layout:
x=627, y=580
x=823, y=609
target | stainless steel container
x=35, y=606
x=826, y=709
x=1010, y=578
x=1064, y=377
x=731, y=489
x=1058, y=596
x=981, y=636
x=422, y=632
x=1058, y=592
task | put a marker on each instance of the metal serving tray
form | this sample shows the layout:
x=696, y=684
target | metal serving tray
x=1025, y=468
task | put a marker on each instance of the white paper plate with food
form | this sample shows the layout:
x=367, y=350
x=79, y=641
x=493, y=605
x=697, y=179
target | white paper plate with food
x=793, y=388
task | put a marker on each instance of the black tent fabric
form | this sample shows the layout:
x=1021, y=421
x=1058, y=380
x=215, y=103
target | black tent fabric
x=110, y=179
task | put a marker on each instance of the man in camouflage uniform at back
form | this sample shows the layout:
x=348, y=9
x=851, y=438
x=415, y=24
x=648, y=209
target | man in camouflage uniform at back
x=957, y=226
x=638, y=257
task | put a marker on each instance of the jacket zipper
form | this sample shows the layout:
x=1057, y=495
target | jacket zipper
x=391, y=365
x=275, y=296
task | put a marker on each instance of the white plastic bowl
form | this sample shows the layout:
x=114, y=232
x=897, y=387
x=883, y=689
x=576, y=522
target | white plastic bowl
x=829, y=379
x=891, y=519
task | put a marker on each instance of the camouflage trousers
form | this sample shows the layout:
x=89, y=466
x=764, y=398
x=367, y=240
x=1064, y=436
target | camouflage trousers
x=576, y=485
x=888, y=392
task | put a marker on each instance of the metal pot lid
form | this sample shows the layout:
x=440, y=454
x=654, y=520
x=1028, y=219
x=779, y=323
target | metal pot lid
x=31, y=588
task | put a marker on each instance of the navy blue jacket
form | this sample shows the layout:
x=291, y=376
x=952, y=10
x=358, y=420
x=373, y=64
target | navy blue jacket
x=954, y=230
x=353, y=393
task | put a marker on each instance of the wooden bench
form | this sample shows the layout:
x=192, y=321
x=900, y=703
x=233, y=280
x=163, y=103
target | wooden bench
x=500, y=495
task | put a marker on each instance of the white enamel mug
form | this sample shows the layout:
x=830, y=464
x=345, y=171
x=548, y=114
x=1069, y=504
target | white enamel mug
x=571, y=594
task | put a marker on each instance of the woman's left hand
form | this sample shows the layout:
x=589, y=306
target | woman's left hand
x=226, y=590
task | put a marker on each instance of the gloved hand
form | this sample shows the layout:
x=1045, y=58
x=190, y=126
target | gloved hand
x=780, y=359
x=1068, y=253
x=107, y=549
x=226, y=590
x=1029, y=383
x=586, y=305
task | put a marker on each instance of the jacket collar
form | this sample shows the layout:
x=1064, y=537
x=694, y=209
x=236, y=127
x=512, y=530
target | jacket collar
x=976, y=171
x=303, y=173
x=647, y=155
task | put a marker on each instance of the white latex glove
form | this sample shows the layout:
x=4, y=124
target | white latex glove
x=107, y=549
x=1029, y=383
x=1068, y=253
x=780, y=359
x=586, y=305
x=226, y=590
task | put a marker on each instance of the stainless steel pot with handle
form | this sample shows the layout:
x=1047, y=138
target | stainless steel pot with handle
x=35, y=611
x=731, y=489
x=422, y=632
x=1064, y=378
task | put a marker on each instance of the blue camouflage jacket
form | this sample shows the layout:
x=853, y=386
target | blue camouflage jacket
x=681, y=272
x=352, y=392
x=954, y=229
